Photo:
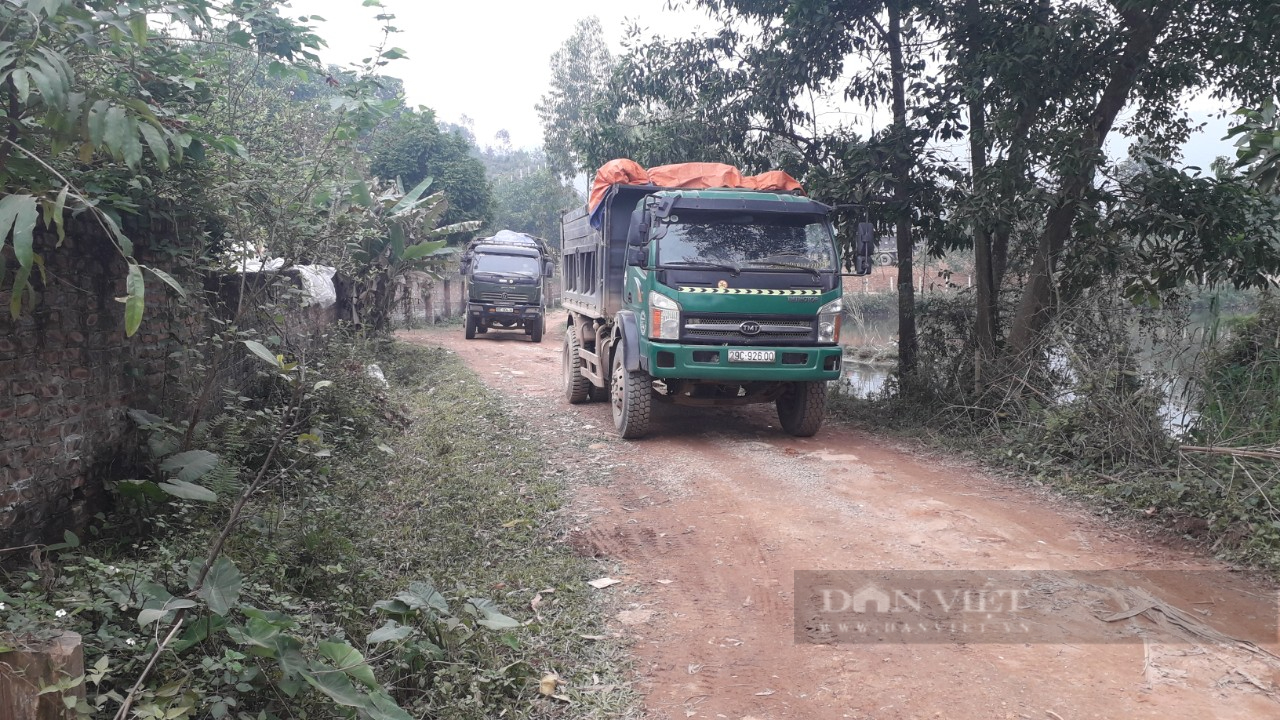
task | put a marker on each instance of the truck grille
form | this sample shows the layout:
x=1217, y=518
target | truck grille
x=725, y=329
x=504, y=297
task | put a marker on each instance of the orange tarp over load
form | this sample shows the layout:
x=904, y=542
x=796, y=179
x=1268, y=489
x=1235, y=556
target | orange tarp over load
x=616, y=172
x=693, y=176
x=774, y=181
x=696, y=175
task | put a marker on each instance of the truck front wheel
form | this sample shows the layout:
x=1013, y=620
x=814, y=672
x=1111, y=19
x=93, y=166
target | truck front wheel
x=535, y=330
x=801, y=408
x=471, y=327
x=575, y=385
x=631, y=395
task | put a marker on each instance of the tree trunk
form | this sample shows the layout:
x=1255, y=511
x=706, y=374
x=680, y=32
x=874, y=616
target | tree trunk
x=901, y=168
x=984, y=327
x=1036, y=308
x=25, y=671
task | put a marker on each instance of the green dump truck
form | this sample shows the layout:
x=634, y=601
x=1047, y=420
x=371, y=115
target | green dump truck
x=702, y=297
x=506, y=284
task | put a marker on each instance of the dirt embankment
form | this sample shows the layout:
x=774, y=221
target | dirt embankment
x=707, y=521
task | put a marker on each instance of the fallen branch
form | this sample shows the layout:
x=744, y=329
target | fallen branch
x=1258, y=453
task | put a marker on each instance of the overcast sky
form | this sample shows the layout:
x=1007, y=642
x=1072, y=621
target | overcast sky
x=489, y=60
x=486, y=59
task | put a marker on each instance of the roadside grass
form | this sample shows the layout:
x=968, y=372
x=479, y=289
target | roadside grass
x=428, y=481
x=467, y=502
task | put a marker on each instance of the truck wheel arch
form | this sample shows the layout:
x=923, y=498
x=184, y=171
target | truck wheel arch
x=626, y=330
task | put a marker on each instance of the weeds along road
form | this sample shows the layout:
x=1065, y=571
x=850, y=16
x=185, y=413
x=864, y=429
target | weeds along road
x=707, y=521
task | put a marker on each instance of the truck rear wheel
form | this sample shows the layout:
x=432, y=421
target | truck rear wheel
x=631, y=395
x=575, y=385
x=535, y=330
x=802, y=407
x=471, y=327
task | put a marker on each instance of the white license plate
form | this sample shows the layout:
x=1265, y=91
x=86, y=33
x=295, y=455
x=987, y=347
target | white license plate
x=751, y=356
x=504, y=310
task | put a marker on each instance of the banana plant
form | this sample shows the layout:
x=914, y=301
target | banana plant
x=400, y=235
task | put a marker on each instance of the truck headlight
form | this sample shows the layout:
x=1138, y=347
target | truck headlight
x=664, y=317
x=829, y=321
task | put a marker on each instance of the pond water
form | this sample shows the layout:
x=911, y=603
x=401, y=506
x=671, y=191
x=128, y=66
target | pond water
x=1168, y=361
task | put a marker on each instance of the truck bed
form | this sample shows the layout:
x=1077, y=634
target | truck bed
x=594, y=259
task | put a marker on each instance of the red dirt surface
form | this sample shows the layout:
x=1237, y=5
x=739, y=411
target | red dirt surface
x=706, y=521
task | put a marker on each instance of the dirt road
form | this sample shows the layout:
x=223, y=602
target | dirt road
x=707, y=520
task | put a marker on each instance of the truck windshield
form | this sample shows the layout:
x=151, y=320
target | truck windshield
x=760, y=242
x=507, y=264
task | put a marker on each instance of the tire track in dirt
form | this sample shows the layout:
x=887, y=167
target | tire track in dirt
x=726, y=508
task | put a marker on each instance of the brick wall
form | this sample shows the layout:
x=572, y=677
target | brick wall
x=68, y=374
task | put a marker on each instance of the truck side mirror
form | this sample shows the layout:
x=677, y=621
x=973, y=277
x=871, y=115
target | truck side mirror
x=636, y=256
x=548, y=268
x=865, y=245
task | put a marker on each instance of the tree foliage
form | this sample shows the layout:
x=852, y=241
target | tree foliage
x=411, y=146
x=528, y=196
x=1033, y=89
x=580, y=73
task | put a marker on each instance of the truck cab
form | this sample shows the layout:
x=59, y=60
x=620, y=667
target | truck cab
x=505, y=282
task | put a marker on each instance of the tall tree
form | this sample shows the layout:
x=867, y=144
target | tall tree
x=580, y=72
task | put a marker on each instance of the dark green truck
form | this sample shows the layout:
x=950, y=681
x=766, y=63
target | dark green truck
x=702, y=297
x=506, y=284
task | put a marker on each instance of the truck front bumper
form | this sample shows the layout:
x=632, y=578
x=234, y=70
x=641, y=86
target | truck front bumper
x=711, y=362
x=511, y=314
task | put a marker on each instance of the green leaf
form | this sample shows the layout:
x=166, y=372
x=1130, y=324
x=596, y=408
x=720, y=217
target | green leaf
x=411, y=198
x=397, y=241
x=138, y=26
x=113, y=223
x=360, y=193
x=21, y=286
x=22, y=83
x=455, y=228
x=190, y=465
x=334, y=684
x=491, y=617
x=422, y=595
x=382, y=707
x=155, y=141
x=70, y=539
x=152, y=614
x=199, y=631
x=135, y=300
x=391, y=631
x=59, y=208
x=168, y=280
x=421, y=250
x=98, y=122
x=19, y=213
x=188, y=491
x=393, y=607
x=394, y=53
x=262, y=352
x=222, y=586
x=350, y=661
x=118, y=128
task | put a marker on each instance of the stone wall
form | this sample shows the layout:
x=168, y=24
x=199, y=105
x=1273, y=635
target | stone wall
x=425, y=300
x=68, y=374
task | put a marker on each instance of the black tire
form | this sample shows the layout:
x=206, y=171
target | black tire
x=481, y=329
x=802, y=407
x=535, y=331
x=630, y=397
x=471, y=327
x=575, y=385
